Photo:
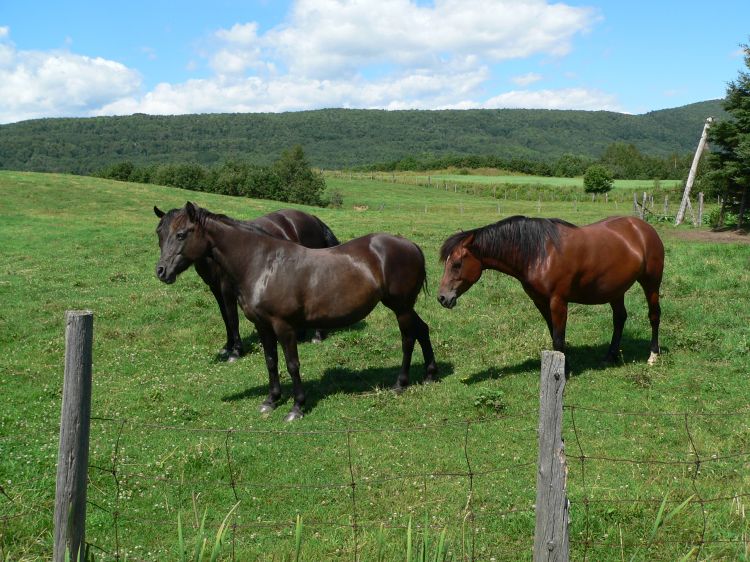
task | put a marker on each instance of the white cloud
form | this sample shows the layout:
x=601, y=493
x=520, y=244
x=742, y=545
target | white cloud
x=568, y=98
x=51, y=84
x=526, y=79
x=390, y=54
x=325, y=38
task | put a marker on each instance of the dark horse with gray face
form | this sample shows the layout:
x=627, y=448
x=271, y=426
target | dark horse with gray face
x=288, y=224
x=284, y=287
x=558, y=262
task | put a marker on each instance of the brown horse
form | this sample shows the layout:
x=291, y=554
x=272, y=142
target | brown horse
x=558, y=262
x=288, y=224
x=284, y=287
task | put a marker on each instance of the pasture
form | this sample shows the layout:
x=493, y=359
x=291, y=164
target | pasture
x=175, y=430
x=505, y=180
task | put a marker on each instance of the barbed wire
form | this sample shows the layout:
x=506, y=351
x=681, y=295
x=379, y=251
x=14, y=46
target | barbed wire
x=120, y=472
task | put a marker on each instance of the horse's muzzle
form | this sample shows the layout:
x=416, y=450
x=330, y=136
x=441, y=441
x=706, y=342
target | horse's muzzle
x=161, y=273
x=448, y=301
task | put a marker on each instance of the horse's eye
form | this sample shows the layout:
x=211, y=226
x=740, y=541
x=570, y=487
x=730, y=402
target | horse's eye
x=182, y=235
x=456, y=265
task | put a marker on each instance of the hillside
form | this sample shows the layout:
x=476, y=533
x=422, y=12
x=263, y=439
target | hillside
x=341, y=138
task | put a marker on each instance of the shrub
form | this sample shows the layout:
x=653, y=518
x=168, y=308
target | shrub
x=597, y=179
x=335, y=199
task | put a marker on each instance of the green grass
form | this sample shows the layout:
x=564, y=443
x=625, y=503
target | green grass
x=520, y=180
x=549, y=181
x=73, y=242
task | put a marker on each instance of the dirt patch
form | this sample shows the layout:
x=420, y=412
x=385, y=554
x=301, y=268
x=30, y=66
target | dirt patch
x=721, y=237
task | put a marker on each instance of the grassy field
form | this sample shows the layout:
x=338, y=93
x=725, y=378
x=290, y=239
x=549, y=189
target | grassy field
x=498, y=178
x=550, y=181
x=177, y=431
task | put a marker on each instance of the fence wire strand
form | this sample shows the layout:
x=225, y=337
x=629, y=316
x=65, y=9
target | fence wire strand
x=121, y=472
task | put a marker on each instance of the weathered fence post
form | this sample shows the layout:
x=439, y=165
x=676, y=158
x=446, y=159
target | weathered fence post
x=551, y=533
x=73, y=456
x=700, y=209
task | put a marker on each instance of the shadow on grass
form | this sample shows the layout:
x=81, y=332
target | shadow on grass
x=252, y=343
x=338, y=380
x=580, y=358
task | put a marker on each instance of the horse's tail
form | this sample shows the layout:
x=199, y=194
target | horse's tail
x=424, y=287
x=328, y=235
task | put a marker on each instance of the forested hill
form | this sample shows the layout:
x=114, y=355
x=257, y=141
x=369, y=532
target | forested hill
x=342, y=138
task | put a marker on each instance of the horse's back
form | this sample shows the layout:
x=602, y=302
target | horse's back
x=297, y=226
x=600, y=261
x=638, y=235
x=403, y=265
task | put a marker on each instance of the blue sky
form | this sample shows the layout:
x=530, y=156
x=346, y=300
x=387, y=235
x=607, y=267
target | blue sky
x=86, y=58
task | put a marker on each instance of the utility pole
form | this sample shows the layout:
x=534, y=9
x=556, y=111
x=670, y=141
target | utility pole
x=691, y=176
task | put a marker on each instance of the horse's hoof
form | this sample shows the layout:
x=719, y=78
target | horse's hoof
x=653, y=358
x=610, y=359
x=232, y=357
x=293, y=416
x=266, y=408
x=398, y=388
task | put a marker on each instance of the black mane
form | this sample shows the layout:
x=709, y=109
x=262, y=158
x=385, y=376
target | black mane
x=203, y=214
x=518, y=239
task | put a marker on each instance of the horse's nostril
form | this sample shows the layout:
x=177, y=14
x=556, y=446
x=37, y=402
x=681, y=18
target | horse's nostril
x=160, y=271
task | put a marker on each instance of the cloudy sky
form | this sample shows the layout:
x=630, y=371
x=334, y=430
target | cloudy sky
x=86, y=58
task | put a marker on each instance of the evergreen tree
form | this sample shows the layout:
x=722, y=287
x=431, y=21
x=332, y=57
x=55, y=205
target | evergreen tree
x=730, y=139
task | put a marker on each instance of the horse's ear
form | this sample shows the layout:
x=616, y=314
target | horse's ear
x=468, y=241
x=192, y=212
x=158, y=212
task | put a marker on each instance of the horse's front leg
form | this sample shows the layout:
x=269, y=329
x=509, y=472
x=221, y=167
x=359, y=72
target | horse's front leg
x=231, y=320
x=288, y=339
x=268, y=340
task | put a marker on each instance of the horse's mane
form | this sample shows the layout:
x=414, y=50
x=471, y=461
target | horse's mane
x=518, y=239
x=202, y=215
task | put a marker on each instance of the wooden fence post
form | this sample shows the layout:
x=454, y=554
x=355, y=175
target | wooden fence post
x=73, y=456
x=551, y=533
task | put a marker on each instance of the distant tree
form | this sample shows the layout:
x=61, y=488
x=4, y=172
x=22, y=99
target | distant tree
x=597, y=179
x=571, y=165
x=730, y=139
x=121, y=171
x=300, y=183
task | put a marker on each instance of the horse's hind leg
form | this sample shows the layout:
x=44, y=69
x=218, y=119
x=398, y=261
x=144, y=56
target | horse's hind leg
x=423, y=336
x=619, y=315
x=654, y=316
x=288, y=341
x=408, y=325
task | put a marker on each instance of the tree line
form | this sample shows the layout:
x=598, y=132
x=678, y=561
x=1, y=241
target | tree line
x=290, y=178
x=623, y=160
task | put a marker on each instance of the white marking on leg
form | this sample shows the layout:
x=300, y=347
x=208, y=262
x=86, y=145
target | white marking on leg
x=653, y=358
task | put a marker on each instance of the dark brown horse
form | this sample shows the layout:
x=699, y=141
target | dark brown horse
x=284, y=287
x=288, y=224
x=558, y=262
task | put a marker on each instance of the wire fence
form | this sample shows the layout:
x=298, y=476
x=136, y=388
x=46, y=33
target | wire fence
x=700, y=530
x=112, y=483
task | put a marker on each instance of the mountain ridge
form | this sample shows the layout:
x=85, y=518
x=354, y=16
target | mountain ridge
x=344, y=138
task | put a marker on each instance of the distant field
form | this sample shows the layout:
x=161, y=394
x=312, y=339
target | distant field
x=520, y=186
x=556, y=182
x=177, y=431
